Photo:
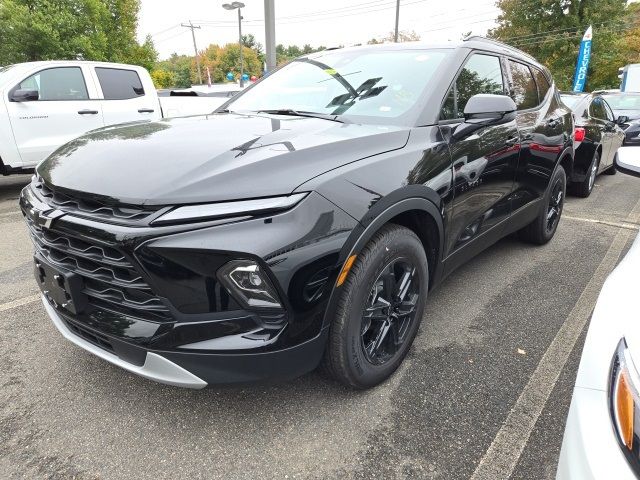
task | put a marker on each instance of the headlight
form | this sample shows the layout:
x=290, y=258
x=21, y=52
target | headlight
x=212, y=211
x=249, y=284
x=624, y=403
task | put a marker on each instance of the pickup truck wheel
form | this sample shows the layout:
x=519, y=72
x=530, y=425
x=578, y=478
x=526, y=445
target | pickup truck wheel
x=544, y=227
x=379, y=310
x=583, y=189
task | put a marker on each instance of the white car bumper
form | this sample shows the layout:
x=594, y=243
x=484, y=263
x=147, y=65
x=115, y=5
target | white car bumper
x=590, y=449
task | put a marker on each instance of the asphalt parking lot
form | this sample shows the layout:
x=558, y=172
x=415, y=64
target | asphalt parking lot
x=484, y=393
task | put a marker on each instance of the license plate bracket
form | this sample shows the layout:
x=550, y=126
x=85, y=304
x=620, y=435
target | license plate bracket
x=62, y=289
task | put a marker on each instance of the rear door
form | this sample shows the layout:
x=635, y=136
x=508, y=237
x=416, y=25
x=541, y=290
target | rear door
x=484, y=157
x=125, y=97
x=598, y=113
x=617, y=134
x=540, y=120
x=66, y=108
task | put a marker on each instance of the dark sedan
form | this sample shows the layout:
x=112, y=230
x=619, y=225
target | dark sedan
x=626, y=104
x=597, y=138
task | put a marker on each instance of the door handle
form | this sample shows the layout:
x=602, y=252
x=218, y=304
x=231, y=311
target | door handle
x=88, y=112
x=510, y=142
x=146, y=110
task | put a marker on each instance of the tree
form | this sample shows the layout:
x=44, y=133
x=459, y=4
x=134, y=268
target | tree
x=403, y=36
x=179, y=68
x=551, y=31
x=72, y=29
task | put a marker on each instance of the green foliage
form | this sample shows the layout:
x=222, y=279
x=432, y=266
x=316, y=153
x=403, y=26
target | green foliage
x=103, y=30
x=403, y=36
x=179, y=69
x=286, y=54
x=551, y=31
x=163, y=78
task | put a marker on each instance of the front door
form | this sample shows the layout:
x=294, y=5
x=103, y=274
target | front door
x=62, y=112
x=484, y=156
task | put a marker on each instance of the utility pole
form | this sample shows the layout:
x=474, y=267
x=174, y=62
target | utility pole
x=195, y=48
x=395, y=38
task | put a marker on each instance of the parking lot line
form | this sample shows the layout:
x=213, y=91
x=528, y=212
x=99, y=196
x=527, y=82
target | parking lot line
x=627, y=225
x=503, y=454
x=19, y=302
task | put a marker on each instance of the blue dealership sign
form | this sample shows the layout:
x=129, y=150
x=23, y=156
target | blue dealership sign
x=580, y=77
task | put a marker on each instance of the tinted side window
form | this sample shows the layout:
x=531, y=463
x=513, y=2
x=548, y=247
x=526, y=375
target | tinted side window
x=597, y=109
x=118, y=84
x=525, y=93
x=481, y=74
x=542, y=82
x=65, y=83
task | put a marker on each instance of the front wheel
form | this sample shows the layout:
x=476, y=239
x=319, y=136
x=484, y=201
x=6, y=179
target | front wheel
x=380, y=309
x=544, y=227
x=612, y=169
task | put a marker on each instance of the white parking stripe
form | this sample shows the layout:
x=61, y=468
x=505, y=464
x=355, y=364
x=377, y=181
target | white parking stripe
x=19, y=302
x=503, y=454
x=630, y=226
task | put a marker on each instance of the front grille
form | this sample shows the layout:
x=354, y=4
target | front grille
x=111, y=282
x=91, y=208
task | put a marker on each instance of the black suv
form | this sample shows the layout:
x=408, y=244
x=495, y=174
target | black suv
x=306, y=220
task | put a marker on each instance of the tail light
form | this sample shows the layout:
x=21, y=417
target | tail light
x=578, y=134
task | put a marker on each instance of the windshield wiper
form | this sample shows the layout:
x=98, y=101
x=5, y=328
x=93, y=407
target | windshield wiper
x=301, y=113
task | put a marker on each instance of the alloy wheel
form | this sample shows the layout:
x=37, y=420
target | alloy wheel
x=389, y=312
x=554, y=208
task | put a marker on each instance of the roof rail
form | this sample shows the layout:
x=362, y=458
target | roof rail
x=498, y=42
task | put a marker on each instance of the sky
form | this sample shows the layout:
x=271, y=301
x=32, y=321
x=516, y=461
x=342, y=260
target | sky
x=328, y=23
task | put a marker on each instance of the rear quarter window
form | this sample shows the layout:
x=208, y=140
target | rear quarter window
x=119, y=84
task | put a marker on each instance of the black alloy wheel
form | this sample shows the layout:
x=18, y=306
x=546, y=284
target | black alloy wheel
x=544, y=227
x=555, y=204
x=390, y=310
x=379, y=310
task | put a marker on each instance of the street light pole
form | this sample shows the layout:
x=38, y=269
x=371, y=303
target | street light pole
x=240, y=42
x=395, y=38
x=238, y=6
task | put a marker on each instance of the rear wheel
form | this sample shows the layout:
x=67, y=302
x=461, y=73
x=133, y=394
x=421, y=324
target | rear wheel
x=612, y=169
x=544, y=227
x=584, y=188
x=380, y=309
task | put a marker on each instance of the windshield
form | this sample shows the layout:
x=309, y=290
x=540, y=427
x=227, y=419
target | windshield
x=623, y=101
x=378, y=84
x=571, y=100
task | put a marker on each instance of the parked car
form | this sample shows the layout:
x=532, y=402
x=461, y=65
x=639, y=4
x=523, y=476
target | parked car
x=597, y=138
x=602, y=434
x=627, y=104
x=46, y=104
x=306, y=221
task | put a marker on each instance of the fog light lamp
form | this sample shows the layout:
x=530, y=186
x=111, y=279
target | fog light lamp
x=246, y=281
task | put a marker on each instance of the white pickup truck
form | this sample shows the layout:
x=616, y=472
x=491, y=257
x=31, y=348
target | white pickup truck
x=47, y=104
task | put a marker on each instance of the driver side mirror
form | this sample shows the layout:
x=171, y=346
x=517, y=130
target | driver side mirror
x=622, y=119
x=487, y=107
x=628, y=161
x=23, y=95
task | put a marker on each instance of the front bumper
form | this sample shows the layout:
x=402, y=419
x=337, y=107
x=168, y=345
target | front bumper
x=150, y=295
x=197, y=370
x=590, y=450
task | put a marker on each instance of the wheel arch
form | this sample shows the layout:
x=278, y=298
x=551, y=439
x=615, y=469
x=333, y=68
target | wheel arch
x=415, y=207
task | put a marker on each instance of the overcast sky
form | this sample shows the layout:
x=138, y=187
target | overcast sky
x=328, y=23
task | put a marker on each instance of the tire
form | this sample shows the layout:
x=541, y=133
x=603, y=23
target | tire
x=612, y=169
x=543, y=228
x=583, y=189
x=351, y=356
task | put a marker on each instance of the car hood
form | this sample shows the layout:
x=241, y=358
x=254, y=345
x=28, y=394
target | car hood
x=211, y=158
